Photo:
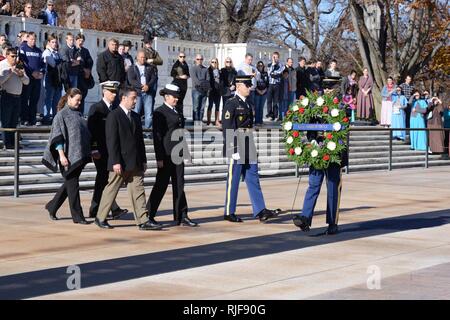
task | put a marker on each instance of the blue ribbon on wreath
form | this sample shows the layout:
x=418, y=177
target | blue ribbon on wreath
x=315, y=127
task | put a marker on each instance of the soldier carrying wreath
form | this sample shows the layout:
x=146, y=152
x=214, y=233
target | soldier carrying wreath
x=325, y=121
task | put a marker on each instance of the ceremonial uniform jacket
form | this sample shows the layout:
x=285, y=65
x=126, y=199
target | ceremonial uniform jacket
x=237, y=120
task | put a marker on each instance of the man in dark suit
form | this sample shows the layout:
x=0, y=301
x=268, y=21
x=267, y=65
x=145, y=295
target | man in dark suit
x=127, y=161
x=97, y=126
x=168, y=124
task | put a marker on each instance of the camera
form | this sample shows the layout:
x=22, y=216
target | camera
x=19, y=64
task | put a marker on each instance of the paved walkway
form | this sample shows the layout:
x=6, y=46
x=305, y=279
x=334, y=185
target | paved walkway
x=394, y=244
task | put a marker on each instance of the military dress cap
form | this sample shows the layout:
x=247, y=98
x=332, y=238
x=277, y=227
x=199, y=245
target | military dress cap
x=110, y=85
x=247, y=80
x=148, y=36
x=127, y=43
x=170, y=89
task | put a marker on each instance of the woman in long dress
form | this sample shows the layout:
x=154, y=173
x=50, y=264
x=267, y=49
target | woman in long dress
x=365, y=105
x=398, y=118
x=417, y=120
x=434, y=121
x=386, y=102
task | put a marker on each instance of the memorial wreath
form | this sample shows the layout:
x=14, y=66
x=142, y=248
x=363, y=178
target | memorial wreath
x=326, y=120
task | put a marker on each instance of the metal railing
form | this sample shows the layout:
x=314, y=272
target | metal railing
x=391, y=130
x=20, y=131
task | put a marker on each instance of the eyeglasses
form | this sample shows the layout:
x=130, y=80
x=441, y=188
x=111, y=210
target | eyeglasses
x=214, y=62
x=181, y=57
x=227, y=61
x=199, y=59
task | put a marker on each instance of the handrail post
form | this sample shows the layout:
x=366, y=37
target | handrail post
x=390, y=149
x=16, y=163
x=427, y=147
x=347, y=168
x=296, y=170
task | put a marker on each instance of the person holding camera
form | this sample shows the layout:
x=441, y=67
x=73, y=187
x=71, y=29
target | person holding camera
x=12, y=80
x=434, y=121
x=275, y=71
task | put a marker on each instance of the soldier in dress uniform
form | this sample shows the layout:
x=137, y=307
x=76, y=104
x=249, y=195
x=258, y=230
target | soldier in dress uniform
x=240, y=149
x=333, y=175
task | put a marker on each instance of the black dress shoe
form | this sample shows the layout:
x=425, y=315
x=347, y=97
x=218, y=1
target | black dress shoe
x=153, y=221
x=149, y=225
x=232, y=218
x=332, y=229
x=102, y=224
x=267, y=214
x=51, y=215
x=81, y=222
x=301, y=222
x=117, y=213
x=187, y=222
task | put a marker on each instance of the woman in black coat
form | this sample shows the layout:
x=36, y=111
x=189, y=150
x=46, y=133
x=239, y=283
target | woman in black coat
x=227, y=80
x=214, y=92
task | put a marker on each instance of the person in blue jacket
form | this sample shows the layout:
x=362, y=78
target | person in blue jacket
x=31, y=59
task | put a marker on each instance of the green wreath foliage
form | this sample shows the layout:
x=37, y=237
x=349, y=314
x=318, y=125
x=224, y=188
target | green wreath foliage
x=327, y=146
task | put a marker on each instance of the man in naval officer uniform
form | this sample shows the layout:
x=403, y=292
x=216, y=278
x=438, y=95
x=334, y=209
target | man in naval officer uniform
x=97, y=126
x=240, y=149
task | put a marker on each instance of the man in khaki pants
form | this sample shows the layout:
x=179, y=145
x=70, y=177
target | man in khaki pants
x=127, y=161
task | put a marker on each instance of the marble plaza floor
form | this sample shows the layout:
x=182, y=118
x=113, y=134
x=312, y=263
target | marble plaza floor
x=394, y=244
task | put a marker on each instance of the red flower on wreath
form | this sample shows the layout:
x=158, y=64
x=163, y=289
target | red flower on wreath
x=291, y=151
x=301, y=97
x=345, y=119
x=335, y=100
x=326, y=157
x=295, y=134
x=325, y=109
x=301, y=110
x=329, y=136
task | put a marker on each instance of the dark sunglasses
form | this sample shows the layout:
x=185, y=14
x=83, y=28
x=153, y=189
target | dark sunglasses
x=182, y=57
x=227, y=61
x=199, y=59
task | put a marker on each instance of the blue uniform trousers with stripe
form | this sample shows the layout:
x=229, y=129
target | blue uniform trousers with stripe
x=334, y=186
x=237, y=170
